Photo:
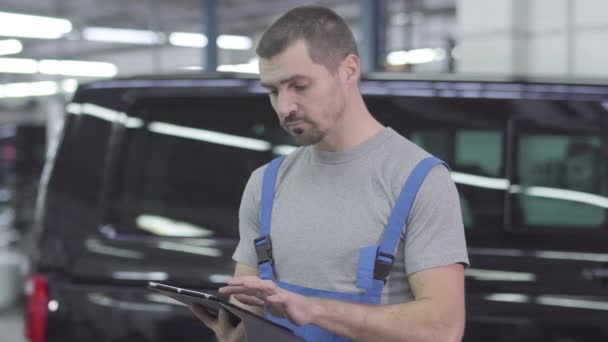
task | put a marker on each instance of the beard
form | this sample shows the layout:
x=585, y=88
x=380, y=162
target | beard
x=306, y=132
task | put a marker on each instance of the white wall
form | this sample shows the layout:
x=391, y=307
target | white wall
x=567, y=38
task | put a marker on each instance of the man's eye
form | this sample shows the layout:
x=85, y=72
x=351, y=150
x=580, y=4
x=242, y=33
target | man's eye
x=300, y=87
x=273, y=92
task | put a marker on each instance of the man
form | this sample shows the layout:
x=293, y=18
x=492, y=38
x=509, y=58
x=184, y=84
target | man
x=343, y=264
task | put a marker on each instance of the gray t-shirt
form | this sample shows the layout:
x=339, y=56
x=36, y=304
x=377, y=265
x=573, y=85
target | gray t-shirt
x=328, y=205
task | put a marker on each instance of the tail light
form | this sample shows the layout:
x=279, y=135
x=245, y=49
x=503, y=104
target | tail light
x=36, y=311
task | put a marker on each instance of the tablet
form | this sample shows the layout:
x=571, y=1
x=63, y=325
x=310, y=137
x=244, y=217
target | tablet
x=257, y=328
x=186, y=296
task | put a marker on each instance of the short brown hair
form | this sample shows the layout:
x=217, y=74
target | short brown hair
x=326, y=34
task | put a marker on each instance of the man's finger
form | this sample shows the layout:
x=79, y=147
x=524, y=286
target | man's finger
x=234, y=290
x=240, y=280
x=266, y=286
x=249, y=300
x=223, y=321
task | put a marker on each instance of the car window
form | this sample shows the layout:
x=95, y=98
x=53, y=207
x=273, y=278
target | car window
x=469, y=137
x=183, y=171
x=561, y=169
x=475, y=158
x=563, y=180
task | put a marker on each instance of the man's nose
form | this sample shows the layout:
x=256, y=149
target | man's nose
x=285, y=105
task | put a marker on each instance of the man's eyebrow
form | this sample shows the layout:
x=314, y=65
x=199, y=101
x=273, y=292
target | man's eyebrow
x=286, y=80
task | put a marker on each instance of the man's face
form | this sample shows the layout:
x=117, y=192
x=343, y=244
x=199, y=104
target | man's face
x=308, y=99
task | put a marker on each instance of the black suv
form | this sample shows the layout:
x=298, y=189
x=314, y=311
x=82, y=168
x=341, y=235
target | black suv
x=146, y=182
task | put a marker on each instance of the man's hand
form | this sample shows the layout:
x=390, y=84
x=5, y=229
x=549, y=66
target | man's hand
x=266, y=294
x=221, y=325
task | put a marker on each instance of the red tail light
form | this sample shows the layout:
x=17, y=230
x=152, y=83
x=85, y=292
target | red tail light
x=37, y=303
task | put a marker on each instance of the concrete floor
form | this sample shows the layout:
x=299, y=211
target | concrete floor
x=11, y=325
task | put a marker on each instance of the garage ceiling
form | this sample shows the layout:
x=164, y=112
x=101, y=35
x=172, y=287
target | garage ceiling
x=238, y=17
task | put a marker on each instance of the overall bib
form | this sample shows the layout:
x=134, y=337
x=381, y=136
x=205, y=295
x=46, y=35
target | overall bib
x=375, y=262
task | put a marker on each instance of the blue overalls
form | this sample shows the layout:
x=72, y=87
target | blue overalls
x=375, y=262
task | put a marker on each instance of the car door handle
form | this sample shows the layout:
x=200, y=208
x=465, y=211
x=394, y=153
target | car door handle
x=598, y=273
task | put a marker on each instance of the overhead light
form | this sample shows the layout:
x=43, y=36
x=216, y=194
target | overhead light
x=57, y=67
x=188, y=39
x=251, y=67
x=30, y=26
x=193, y=67
x=124, y=36
x=18, y=66
x=43, y=88
x=69, y=85
x=415, y=56
x=10, y=46
x=199, y=40
x=77, y=68
x=231, y=42
x=210, y=136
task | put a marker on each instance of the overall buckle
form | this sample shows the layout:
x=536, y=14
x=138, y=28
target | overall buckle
x=263, y=249
x=383, y=265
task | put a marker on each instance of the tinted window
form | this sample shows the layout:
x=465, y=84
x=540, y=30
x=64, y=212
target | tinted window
x=561, y=169
x=182, y=172
x=469, y=136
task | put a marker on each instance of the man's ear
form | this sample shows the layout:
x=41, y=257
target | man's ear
x=352, y=68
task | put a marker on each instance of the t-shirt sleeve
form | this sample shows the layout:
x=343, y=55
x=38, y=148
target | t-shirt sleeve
x=435, y=233
x=249, y=220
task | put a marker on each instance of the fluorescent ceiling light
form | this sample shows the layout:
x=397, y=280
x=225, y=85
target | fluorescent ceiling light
x=416, y=56
x=199, y=40
x=188, y=39
x=77, y=68
x=231, y=42
x=57, y=67
x=43, y=88
x=210, y=136
x=251, y=67
x=10, y=46
x=18, y=66
x=30, y=26
x=124, y=36
x=194, y=67
x=69, y=85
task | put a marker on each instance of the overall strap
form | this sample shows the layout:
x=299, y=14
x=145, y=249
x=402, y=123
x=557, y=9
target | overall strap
x=401, y=212
x=263, y=246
